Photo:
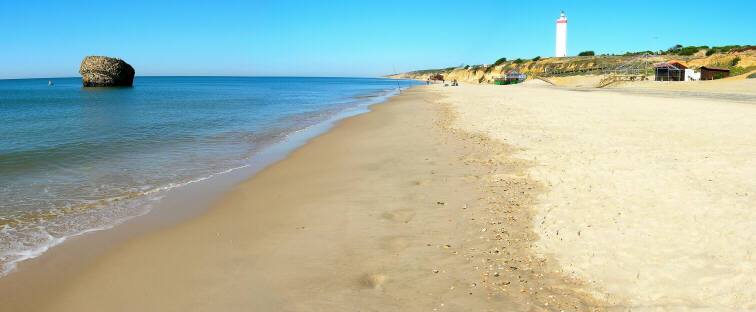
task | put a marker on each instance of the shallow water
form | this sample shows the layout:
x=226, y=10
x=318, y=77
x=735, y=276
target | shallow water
x=74, y=160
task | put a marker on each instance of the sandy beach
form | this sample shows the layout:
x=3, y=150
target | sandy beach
x=649, y=200
x=391, y=210
x=471, y=198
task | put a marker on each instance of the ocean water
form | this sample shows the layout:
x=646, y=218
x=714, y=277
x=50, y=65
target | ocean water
x=75, y=160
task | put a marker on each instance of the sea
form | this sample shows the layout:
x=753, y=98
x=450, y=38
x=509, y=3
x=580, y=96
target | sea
x=75, y=160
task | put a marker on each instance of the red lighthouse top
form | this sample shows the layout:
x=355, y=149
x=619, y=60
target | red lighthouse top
x=562, y=18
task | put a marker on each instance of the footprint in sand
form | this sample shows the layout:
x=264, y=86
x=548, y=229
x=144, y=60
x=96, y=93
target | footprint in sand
x=395, y=244
x=400, y=215
x=420, y=182
x=374, y=281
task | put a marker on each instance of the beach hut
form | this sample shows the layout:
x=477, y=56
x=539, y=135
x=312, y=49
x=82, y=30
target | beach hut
x=711, y=73
x=669, y=71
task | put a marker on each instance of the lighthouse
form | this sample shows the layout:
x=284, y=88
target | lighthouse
x=561, y=36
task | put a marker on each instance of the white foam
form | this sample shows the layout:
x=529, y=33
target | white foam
x=13, y=257
x=26, y=254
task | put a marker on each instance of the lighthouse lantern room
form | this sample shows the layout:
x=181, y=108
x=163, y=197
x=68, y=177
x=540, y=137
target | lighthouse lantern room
x=561, y=36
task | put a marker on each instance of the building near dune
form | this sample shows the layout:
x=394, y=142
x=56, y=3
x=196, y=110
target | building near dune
x=514, y=76
x=561, y=36
x=677, y=71
x=711, y=73
x=511, y=77
x=669, y=71
x=692, y=75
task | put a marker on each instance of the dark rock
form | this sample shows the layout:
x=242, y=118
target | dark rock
x=103, y=71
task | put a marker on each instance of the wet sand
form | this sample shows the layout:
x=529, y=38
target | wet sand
x=389, y=211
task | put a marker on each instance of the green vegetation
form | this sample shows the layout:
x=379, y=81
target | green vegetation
x=500, y=61
x=426, y=71
x=728, y=48
x=685, y=51
x=690, y=50
x=518, y=61
x=638, y=53
x=535, y=59
x=751, y=76
x=737, y=70
x=735, y=61
x=587, y=53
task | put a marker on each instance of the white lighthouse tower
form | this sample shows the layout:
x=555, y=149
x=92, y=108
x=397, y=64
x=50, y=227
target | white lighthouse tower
x=561, y=36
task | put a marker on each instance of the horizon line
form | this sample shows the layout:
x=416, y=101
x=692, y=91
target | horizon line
x=218, y=76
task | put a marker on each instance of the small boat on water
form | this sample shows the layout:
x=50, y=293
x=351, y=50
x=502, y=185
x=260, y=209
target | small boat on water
x=50, y=83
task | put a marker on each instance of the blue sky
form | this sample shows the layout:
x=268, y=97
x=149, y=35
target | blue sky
x=343, y=38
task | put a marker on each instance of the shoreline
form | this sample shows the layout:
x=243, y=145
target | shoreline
x=354, y=233
x=69, y=210
x=176, y=204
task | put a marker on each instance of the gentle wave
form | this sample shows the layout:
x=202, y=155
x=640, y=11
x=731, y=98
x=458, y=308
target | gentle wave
x=30, y=232
x=9, y=259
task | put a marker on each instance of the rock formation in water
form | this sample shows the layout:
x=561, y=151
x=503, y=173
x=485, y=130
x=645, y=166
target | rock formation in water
x=103, y=71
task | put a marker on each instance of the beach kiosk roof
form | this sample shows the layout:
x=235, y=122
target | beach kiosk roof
x=510, y=77
x=513, y=74
x=676, y=64
x=715, y=68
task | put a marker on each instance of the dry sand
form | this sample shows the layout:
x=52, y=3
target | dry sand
x=649, y=199
x=732, y=85
x=389, y=211
x=737, y=85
